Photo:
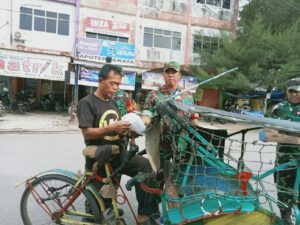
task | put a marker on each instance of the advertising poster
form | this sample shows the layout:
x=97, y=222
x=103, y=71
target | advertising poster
x=96, y=50
x=152, y=81
x=89, y=77
x=188, y=82
x=128, y=81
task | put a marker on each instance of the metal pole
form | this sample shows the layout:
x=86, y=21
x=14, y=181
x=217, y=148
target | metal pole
x=203, y=82
x=75, y=97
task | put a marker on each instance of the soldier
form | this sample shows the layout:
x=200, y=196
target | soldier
x=157, y=138
x=287, y=110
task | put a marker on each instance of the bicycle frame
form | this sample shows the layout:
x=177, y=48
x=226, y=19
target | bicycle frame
x=82, y=181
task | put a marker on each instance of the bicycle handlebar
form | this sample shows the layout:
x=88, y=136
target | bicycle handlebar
x=139, y=178
x=130, y=183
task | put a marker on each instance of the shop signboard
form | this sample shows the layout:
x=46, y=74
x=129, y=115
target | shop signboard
x=128, y=81
x=109, y=27
x=35, y=66
x=89, y=77
x=152, y=81
x=188, y=82
x=97, y=50
x=70, y=77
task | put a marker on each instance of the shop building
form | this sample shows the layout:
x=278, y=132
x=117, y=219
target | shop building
x=141, y=35
x=40, y=47
x=79, y=35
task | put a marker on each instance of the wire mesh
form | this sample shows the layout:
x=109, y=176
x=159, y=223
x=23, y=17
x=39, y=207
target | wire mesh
x=212, y=173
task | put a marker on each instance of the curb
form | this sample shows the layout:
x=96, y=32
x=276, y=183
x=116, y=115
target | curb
x=22, y=131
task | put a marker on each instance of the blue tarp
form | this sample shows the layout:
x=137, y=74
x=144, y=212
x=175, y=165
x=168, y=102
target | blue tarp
x=277, y=94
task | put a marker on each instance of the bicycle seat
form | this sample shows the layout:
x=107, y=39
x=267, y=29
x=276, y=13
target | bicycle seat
x=90, y=151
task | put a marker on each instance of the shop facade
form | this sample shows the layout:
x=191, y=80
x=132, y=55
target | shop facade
x=36, y=74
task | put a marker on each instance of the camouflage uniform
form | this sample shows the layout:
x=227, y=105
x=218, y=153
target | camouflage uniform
x=155, y=97
x=286, y=152
x=152, y=100
x=121, y=101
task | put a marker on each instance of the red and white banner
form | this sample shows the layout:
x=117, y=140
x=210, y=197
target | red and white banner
x=31, y=65
x=110, y=27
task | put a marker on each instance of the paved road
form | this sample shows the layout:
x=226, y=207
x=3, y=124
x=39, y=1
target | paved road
x=28, y=154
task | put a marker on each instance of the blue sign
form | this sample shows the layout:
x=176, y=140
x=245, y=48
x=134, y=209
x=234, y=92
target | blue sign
x=89, y=77
x=128, y=81
x=117, y=49
x=96, y=50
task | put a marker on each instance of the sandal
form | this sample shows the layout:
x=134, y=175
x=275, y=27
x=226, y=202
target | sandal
x=149, y=221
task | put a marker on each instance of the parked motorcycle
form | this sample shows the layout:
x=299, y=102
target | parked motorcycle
x=17, y=106
x=46, y=102
x=52, y=101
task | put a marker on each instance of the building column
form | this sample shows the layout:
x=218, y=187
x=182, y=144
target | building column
x=187, y=55
x=234, y=20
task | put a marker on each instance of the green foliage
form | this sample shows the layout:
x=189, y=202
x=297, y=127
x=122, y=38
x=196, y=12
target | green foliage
x=266, y=50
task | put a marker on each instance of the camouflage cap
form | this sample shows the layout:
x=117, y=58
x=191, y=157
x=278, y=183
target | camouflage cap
x=293, y=84
x=172, y=65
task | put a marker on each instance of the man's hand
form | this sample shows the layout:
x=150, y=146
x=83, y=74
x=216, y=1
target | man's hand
x=120, y=127
x=146, y=120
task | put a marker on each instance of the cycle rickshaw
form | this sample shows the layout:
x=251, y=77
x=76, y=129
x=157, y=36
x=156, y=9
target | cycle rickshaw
x=215, y=179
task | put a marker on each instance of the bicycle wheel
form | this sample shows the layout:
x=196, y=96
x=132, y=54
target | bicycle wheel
x=48, y=194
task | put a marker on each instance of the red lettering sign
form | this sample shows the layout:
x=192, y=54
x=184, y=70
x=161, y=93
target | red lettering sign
x=33, y=68
x=107, y=25
x=2, y=64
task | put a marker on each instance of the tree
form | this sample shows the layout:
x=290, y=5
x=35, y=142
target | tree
x=266, y=50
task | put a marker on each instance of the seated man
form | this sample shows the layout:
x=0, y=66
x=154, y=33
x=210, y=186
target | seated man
x=99, y=121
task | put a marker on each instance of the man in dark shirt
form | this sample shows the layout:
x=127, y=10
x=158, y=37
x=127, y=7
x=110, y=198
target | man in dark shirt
x=103, y=132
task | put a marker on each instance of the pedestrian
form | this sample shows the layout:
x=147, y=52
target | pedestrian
x=104, y=134
x=287, y=110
